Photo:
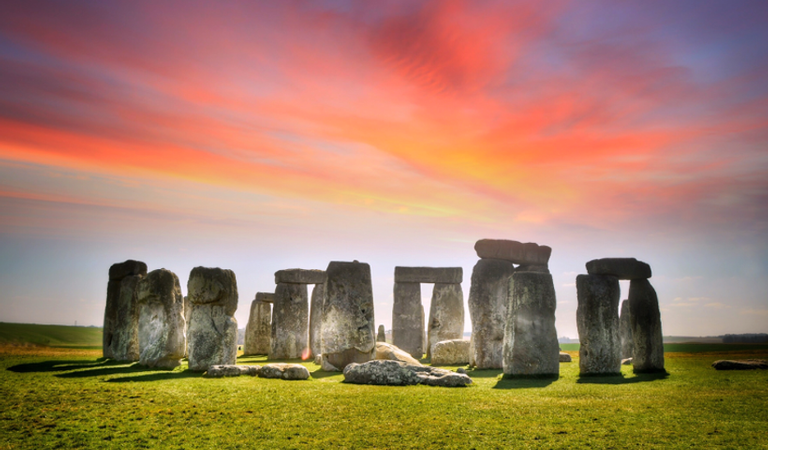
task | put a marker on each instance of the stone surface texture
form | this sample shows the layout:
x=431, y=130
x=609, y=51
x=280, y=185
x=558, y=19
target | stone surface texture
x=622, y=268
x=446, y=320
x=408, y=319
x=289, y=321
x=162, y=336
x=348, y=323
x=396, y=373
x=389, y=352
x=530, y=345
x=452, y=275
x=315, y=319
x=625, y=330
x=381, y=336
x=211, y=335
x=230, y=370
x=513, y=251
x=125, y=269
x=564, y=357
x=740, y=364
x=268, y=297
x=300, y=276
x=121, y=318
x=487, y=309
x=648, y=341
x=284, y=371
x=598, y=324
x=450, y=353
x=258, y=333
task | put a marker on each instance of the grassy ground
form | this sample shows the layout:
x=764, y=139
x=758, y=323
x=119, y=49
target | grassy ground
x=67, y=398
x=51, y=335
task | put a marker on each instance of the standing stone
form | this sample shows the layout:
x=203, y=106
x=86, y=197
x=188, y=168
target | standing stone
x=348, y=323
x=408, y=319
x=530, y=346
x=625, y=330
x=381, y=334
x=212, y=332
x=446, y=321
x=187, y=312
x=598, y=324
x=487, y=309
x=121, y=318
x=648, y=341
x=258, y=333
x=162, y=339
x=315, y=319
x=289, y=321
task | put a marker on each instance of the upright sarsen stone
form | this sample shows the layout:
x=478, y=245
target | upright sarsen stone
x=289, y=321
x=162, y=339
x=408, y=319
x=258, y=333
x=648, y=341
x=625, y=330
x=315, y=319
x=348, y=323
x=598, y=324
x=530, y=345
x=121, y=319
x=487, y=309
x=212, y=332
x=446, y=320
x=381, y=337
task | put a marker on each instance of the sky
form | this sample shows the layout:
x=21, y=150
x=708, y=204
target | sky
x=260, y=136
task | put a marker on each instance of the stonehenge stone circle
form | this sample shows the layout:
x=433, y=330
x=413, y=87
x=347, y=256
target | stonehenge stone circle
x=121, y=318
x=530, y=255
x=315, y=318
x=450, y=275
x=450, y=353
x=598, y=324
x=487, y=309
x=530, y=344
x=446, y=320
x=381, y=337
x=162, y=338
x=622, y=268
x=625, y=330
x=397, y=373
x=258, y=333
x=348, y=323
x=212, y=330
x=384, y=351
x=300, y=276
x=408, y=319
x=289, y=321
x=648, y=341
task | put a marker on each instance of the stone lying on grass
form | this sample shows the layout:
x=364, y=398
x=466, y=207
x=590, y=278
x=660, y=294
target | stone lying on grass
x=284, y=371
x=564, y=357
x=230, y=370
x=450, y=353
x=388, y=352
x=740, y=364
x=397, y=373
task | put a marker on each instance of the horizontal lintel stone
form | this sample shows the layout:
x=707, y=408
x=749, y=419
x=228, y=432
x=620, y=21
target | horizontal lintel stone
x=300, y=276
x=513, y=251
x=622, y=268
x=449, y=275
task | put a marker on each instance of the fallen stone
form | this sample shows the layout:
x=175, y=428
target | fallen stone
x=258, y=333
x=289, y=321
x=162, y=338
x=461, y=370
x=408, y=319
x=530, y=344
x=513, y=251
x=450, y=353
x=740, y=364
x=622, y=268
x=389, y=352
x=452, y=275
x=300, y=276
x=396, y=373
x=381, y=337
x=211, y=334
x=284, y=371
x=564, y=357
x=125, y=269
x=446, y=321
x=648, y=340
x=487, y=309
x=315, y=319
x=627, y=361
x=230, y=370
x=625, y=330
x=598, y=324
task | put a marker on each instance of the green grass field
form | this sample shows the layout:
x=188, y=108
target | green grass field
x=72, y=398
x=51, y=335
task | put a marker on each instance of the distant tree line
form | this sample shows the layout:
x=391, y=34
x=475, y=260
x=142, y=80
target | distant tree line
x=747, y=338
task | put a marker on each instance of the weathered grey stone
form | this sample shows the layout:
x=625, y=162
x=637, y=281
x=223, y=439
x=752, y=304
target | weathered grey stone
x=513, y=251
x=162, y=338
x=452, y=275
x=408, y=319
x=461, y=370
x=211, y=335
x=487, y=309
x=564, y=357
x=318, y=359
x=267, y=297
x=530, y=345
x=130, y=267
x=258, y=333
x=348, y=323
x=648, y=341
x=446, y=321
x=300, y=276
x=284, y=371
x=539, y=268
x=397, y=373
x=598, y=324
x=289, y=321
x=622, y=268
x=625, y=330
x=230, y=370
x=740, y=364
x=381, y=337
x=187, y=312
x=121, y=317
x=384, y=351
x=315, y=319
x=450, y=353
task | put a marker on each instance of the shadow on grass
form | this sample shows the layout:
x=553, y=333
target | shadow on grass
x=319, y=373
x=157, y=377
x=484, y=373
x=105, y=371
x=619, y=379
x=524, y=383
x=64, y=366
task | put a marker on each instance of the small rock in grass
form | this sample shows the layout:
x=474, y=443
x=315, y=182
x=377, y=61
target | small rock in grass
x=230, y=370
x=564, y=357
x=740, y=364
x=284, y=371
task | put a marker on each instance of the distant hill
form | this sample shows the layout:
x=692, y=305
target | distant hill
x=51, y=335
